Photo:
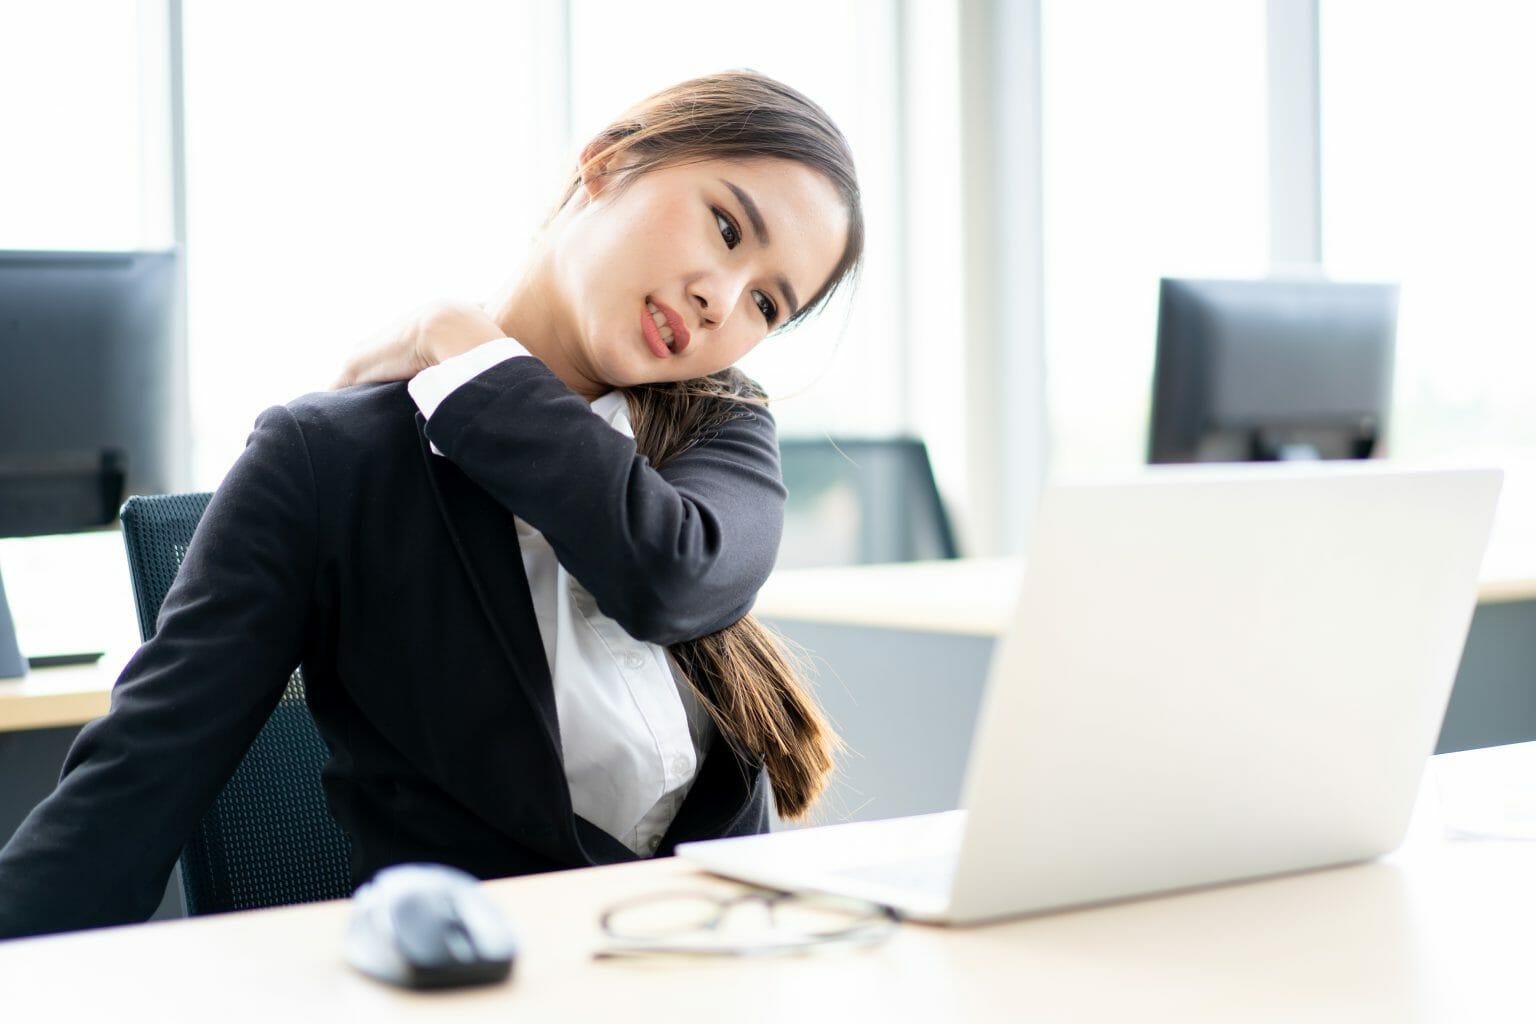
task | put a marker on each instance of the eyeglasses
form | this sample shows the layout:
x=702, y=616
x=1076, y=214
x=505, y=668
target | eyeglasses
x=696, y=923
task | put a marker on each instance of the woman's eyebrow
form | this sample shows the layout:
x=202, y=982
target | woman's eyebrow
x=760, y=228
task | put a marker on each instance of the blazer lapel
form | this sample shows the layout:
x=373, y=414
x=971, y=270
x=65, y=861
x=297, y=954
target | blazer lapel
x=500, y=583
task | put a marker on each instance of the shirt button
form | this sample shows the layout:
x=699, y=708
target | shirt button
x=634, y=659
x=679, y=764
x=652, y=843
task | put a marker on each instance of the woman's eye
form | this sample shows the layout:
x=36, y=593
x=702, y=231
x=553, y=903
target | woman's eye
x=771, y=312
x=735, y=236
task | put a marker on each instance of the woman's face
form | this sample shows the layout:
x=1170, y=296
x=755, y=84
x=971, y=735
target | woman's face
x=732, y=248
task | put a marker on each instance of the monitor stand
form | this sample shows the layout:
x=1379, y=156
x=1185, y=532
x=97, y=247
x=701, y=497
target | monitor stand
x=11, y=664
x=1337, y=441
x=1296, y=453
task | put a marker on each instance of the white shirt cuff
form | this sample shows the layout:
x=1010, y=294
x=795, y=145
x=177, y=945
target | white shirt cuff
x=431, y=386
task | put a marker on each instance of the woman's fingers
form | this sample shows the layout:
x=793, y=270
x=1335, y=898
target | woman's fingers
x=426, y=336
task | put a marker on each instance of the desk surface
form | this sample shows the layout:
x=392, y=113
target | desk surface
x=970, y=596
x=975, y=596
x=67, y=695
x=1439, y=929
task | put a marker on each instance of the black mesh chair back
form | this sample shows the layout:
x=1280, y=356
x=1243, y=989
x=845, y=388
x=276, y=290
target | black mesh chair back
x=861, y=500
x=268, y=839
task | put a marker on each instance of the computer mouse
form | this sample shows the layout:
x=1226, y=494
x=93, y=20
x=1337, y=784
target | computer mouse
x=428, y=926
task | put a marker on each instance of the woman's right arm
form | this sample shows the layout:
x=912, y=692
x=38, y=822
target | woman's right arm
x=186, y=707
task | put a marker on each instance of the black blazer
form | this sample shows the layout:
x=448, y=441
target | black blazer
x=394, y=576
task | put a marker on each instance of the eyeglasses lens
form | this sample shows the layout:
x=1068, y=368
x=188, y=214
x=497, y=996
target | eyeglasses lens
x=663, y=915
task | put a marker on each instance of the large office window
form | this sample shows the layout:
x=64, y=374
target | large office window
x=345, y=163
x=1154, y=165
x=1427, y=163
x=83, y=122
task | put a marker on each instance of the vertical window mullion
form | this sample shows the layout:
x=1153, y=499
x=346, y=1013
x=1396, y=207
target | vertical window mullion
x=1004, y=296
x=1295, y=132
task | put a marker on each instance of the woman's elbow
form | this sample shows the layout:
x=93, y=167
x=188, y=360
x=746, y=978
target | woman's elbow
x=665, y=627
x=676, y=608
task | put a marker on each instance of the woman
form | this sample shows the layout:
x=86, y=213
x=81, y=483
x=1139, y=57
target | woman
x=514, y=552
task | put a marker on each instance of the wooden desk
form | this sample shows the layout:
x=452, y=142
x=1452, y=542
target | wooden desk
x=1438, y=930
x=67, y=695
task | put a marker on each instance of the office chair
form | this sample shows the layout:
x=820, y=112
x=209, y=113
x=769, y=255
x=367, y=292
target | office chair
x=268, y=839
x=861, y=500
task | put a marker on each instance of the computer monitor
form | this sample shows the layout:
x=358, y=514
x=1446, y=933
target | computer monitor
x=860, y=500
x=1270, y=369
x=90, y=410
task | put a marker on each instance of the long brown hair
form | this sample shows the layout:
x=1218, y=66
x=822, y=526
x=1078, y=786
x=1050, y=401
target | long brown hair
x=747, y=675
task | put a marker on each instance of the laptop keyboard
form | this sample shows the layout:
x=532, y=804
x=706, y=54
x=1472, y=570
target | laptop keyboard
x=927, y=874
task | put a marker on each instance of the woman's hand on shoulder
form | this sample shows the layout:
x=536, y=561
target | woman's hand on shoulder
x=424, y=337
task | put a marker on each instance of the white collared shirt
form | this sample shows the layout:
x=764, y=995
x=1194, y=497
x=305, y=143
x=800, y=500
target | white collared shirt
x=632, y=732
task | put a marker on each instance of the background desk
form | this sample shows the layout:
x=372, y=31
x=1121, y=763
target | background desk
x=900, y=654
x=1439, y=930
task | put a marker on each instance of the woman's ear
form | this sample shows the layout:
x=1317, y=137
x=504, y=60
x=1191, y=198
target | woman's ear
x=594, y=176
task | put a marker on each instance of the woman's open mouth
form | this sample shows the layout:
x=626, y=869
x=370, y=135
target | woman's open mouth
x=663, y=331
x=653, y=338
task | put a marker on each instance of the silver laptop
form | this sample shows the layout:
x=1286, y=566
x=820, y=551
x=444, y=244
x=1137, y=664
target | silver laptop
x=1214, y=672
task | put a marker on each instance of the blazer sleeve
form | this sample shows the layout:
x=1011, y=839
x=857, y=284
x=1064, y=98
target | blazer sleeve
x=98, y=850
x=670, y=554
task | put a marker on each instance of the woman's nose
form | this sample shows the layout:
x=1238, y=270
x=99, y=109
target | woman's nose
x=705, y=320
x=714, y=314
